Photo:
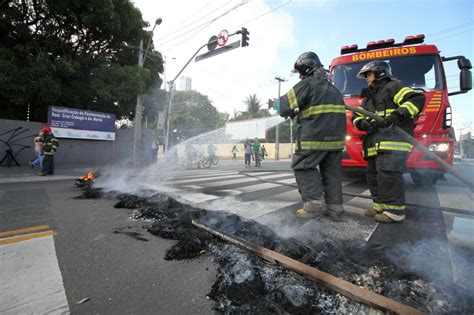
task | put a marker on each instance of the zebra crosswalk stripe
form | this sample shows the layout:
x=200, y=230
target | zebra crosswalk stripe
x=201, y=179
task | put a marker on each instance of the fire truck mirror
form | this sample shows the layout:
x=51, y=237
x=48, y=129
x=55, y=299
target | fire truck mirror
x=464, y=63
x=465, y=80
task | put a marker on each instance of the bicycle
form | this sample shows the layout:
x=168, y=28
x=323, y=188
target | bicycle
x=214, y=159
x=209, y=160
x=206, y=162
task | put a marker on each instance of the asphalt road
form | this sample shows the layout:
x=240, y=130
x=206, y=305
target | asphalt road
x=117, y=273
x=121, y=274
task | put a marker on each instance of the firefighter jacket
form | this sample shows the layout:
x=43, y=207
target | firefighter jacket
x=50, y=144
x=385, y=97
x=321, y=117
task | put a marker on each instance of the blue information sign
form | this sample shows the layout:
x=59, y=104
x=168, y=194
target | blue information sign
x=81, y=124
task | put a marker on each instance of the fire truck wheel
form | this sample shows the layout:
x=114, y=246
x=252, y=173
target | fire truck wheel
x=424, y=179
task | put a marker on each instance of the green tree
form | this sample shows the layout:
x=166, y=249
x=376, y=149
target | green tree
x=80, y=54
x=253, y=105
x=155, y=101
x=253, y=109
x=193, y=114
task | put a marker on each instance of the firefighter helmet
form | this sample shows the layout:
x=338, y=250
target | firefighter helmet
x=381, y=69
x=306, y=63
x=46, y=130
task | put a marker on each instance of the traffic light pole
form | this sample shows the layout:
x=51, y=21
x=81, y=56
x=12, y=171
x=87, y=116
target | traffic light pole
x=245, y=39
x=170, y=99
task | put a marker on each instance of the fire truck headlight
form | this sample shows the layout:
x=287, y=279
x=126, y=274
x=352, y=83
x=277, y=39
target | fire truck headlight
x=348, y=138
x=443, y=147
x=439, y=147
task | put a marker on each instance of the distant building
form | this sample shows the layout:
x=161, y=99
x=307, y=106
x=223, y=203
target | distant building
x=185, y=84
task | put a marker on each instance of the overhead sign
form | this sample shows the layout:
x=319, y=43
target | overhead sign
x=81, y=124
x=218, y=51
x=222, y=38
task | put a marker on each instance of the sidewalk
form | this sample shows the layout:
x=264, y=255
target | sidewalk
x=28, y=174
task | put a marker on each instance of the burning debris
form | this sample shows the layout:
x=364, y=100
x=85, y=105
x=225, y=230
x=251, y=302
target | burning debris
x=85, y=180
x=247, y=284
x=91, y=193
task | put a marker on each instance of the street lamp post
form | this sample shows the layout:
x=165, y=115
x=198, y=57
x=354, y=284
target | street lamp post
x=277, y=140
x=166, y=69
x=137, y=123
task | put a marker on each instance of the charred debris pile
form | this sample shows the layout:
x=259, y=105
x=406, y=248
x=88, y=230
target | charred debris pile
x=247, y=284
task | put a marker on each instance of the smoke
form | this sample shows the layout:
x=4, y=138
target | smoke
x=286, y=225
x=423, y=258
x=125, y=178
x=433, y=259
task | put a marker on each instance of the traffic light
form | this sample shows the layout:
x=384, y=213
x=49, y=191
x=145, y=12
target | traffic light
x=270, y=104
x=245, y=37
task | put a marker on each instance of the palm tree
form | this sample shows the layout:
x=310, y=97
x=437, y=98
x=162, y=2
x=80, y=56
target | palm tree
x=253, y=106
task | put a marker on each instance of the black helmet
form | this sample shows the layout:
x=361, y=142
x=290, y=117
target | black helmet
x=381, y=69
x=306, y=63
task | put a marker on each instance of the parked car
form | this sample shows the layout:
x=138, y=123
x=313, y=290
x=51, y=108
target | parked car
x=457, y=157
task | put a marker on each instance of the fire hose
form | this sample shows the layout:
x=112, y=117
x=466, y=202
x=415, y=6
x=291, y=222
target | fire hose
x=408, y=138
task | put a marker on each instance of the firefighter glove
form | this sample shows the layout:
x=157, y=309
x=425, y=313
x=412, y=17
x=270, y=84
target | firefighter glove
x=364, y=125
x=393, y=119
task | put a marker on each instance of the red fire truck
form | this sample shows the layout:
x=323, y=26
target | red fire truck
x=421, y=67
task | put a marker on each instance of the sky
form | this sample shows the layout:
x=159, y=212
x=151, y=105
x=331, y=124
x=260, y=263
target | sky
x=280, y=30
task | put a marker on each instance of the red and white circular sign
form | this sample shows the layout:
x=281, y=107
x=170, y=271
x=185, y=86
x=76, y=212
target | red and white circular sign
x=222, y=38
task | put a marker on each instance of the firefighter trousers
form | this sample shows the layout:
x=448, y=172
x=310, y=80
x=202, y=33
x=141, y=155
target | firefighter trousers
x=314, y=184
x=386, y=183
x=48, y=164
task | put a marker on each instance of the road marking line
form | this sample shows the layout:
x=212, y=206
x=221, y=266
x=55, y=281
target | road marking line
x=185, y=181
x=24, y=230
x=25, y=237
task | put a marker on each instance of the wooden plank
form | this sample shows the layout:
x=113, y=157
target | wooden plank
x=336, y=284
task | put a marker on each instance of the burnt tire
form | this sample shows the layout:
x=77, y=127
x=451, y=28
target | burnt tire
x=424, y=179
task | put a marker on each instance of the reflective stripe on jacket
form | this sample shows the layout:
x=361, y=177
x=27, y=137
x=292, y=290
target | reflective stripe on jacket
x=385, y=97
x=50, y=144
x=321, y=120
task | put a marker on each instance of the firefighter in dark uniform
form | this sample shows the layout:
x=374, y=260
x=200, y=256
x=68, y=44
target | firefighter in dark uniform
x=385, y=151
x=321, y=127
x=50, y=147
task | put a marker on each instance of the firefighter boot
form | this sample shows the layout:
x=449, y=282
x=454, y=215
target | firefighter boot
x=312, y=209
x=388, y=217
x=374, y=211
x=335, y=212
x=371, y=212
